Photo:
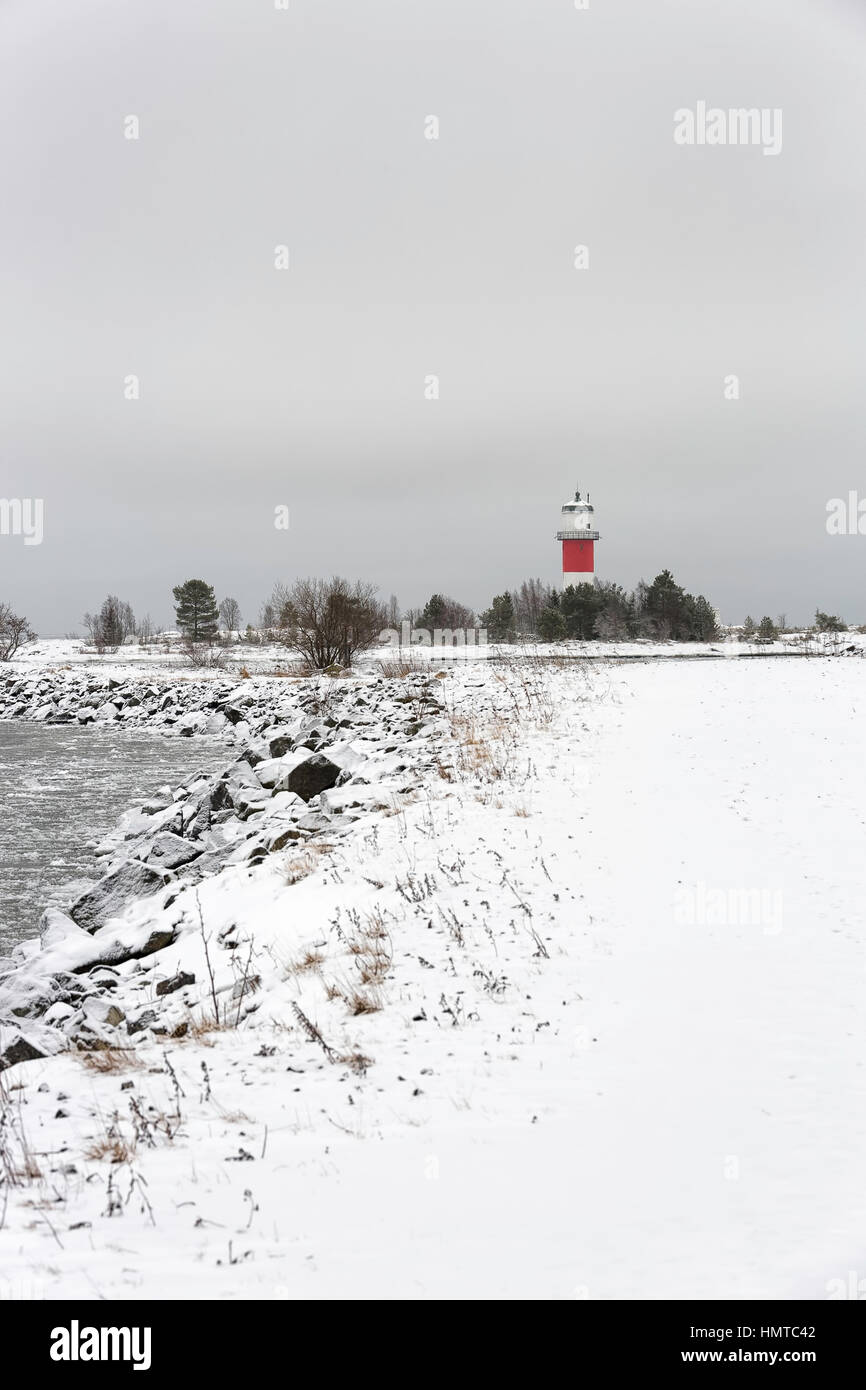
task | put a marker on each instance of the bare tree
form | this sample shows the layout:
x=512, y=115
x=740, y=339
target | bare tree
x=230, y=615
x=111, y=626
x=14, y=632
x=392, y=613
x=529, y=601
x=127, y=621
x=268, y=613
x=328, y=621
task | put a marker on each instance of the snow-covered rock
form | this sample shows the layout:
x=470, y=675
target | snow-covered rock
x=108, y=897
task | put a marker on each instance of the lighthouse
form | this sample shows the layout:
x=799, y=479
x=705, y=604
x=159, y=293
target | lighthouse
x=578, y=536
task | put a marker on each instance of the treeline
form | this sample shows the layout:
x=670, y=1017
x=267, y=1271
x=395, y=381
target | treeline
x=197, y=614
x=326, y=621
x=602, y=611
x=767, y=630
x=329, y=621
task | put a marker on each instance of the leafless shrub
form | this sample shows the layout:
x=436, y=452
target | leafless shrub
x=328, y=622
x=203, y=655
x=14, y=632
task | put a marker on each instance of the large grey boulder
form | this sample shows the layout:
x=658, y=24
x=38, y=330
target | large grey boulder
x=273, y=772
x=240, y=780
x=197, y=817
x=113, y=893
x=118, y=952
x=169, y=851
x=19, y=1047
x=313, y=775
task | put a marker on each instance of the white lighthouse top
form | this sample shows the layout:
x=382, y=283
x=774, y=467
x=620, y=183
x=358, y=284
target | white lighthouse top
x=577, y=513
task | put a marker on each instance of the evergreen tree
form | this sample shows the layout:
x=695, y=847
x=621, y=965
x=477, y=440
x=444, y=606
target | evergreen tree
x=828, y=622
x=767, y=630
x=667, y=608
x=196, y=610
x=606, y=611
x=499, y=619
x=445, y=613
x=615, y=621
x=551, y=623
x=580, y=605
x=749, y=628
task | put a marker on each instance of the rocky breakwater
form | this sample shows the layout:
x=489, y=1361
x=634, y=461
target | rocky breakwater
x=317, y=758
x=173, y=705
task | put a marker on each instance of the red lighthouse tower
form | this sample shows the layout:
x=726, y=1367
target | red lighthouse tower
x=578, y=538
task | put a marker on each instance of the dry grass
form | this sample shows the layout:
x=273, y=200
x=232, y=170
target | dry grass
x=303, y=864
x=310, y=960
x=356, y=1061
x=200, y=1029
x=113, y=1147
x=108, y=1060
x=370, y=944
x=398, y=667
x=373, y=969
x=361, y=1001
x=486, y=751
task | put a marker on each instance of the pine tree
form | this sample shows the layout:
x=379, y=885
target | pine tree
x=749, y=628
x=828, y=622
x=767, y=630
x=196, y=610
x=705, y=627
x=580, y=605
x=499, y=619
x=445, y=613
x=551, y=624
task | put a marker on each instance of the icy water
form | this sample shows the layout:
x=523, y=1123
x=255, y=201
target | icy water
x=61, y=790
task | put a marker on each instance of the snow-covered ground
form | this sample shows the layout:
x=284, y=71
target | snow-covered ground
x=612, y=942
x=69, y=653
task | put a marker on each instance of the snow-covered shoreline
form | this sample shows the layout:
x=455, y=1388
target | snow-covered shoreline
x=524, y=1028
x=308, y=761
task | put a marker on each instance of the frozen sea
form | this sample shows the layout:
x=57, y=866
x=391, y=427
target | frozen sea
x=62, y=789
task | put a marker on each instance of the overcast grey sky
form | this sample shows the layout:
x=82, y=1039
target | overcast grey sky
x=411, y=257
